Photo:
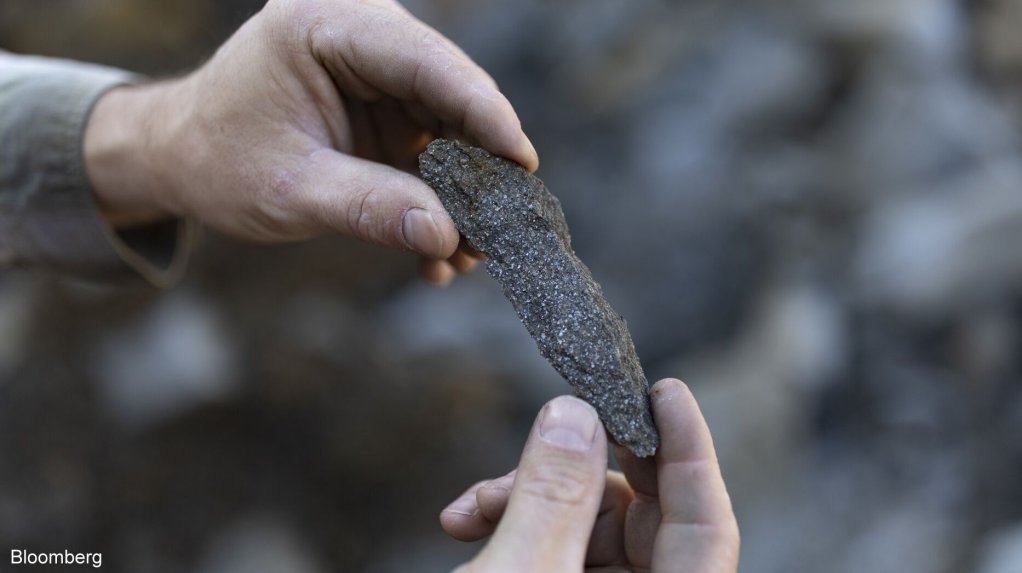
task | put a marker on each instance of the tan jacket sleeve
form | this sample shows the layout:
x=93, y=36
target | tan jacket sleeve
x=48, y=213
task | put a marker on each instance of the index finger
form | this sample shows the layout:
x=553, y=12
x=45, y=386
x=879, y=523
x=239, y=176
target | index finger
x=382, y=48
x=698, y=527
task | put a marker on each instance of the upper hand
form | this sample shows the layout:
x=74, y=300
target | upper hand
x=561, y=510
x=304, y=123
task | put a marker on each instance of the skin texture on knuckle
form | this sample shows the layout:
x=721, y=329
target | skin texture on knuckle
x=377, y=20
x=281, y=21
x=560, y=481
x=340, y=36
x=264, y=221
x=297, y=27
x=708, y=505
x=297, y=13
x=367, y=217
x=716, y=550
x=271, y=206
x=429, y=42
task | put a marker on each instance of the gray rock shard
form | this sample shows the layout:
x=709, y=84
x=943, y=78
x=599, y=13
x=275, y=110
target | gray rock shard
x=507, y=213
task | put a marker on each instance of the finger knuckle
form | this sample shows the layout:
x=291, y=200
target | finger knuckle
x=428, y=40
x=364, y=217
x=375, y=18
x=277, y=197
x=558, y=483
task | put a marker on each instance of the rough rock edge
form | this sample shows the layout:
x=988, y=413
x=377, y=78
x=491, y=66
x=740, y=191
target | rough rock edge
x=507, y=213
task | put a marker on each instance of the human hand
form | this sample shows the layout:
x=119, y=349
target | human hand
x=302, y=124
x=561, y=510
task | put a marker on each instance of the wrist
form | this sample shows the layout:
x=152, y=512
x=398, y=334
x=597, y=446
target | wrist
x=125, y=153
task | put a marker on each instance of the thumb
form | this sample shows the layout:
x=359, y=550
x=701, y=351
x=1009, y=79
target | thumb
x=374, y=203
x=556, y=493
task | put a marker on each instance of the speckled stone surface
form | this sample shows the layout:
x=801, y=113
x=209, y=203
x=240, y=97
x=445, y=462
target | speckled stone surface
x=507, y=213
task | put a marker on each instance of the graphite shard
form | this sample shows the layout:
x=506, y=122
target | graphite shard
x=507, y=213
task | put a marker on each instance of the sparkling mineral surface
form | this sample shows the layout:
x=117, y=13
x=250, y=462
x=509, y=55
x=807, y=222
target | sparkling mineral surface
x=508, y=214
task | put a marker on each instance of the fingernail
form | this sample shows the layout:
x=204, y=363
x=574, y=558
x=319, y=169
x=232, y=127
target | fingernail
x=465, y=505
x=532, y=150
x=569, y=423
x=421, y=233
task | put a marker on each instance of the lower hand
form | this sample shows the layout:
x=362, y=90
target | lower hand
x=305, y=122
x=562, y=511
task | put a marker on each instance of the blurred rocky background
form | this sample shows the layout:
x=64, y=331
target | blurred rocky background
x=810, y=210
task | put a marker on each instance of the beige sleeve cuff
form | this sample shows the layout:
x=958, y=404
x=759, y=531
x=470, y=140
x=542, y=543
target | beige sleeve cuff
x=48, y=213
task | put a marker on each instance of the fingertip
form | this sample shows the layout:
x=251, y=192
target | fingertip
x=462, y=261
x=669, y=382
x=570, y=423
x=471, y=251
x=460, y=527
x=431, y=233
x=492, y=501
x=437, y=273
x=463, y=519
x=375, y=203
x=530, y=156
x=684, y=433
x=451, y=521
x=492, y=496
x=448, y=231
x=522, y=150
x=459, y=513
x=640, y=472
x=667, y=390
x=499, y=130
